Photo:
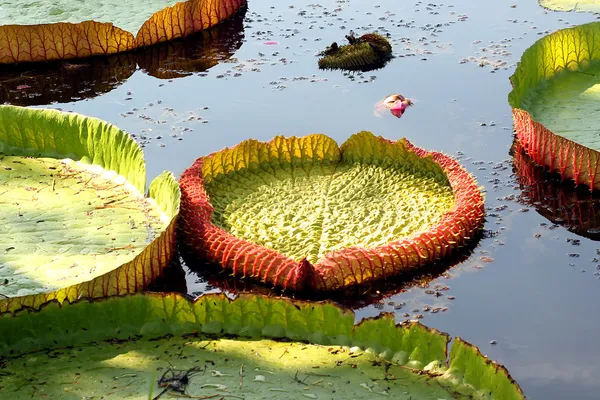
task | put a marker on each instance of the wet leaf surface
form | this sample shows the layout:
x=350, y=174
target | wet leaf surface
x=65, y=224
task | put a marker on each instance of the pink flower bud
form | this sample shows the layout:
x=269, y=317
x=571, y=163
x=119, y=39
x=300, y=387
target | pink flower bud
x=398, y=109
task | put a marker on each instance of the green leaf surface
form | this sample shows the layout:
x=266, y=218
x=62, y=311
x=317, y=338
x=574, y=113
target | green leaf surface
x=127, y=15
x=132, y=340
x=78, y=227
x=62, y=223
x=569, y=105
x=571, y=5
x=30, y=31
x=51, y=133
x=557, y=82
x=367, y=195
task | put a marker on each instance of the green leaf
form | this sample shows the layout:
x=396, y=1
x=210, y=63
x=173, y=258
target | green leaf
x=50, y=30
x=485, y=378
x=553, y=200
x=78, y=227
x=555, y=102
x=133, y=336
x=571, y=5
x=301, y=212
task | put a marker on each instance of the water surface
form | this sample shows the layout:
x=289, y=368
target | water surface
x=530, y=284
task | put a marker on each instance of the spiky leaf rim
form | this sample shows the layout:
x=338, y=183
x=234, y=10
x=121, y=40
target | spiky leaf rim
x=155, y=315
x=56, y=134
x=336, y=269
x=63, y=40
x=567, y=49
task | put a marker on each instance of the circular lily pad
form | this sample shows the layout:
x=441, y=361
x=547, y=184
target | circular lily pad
x=305, y=213
x=51, y=30
x=77, y=228
x=63, y=224
x=145, y=344
x=555, y=101
x=560, y=202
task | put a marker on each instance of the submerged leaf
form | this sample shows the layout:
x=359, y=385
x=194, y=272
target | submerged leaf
x=77, y=230
x=303, y=213
x=137, y=335
x=555, y=100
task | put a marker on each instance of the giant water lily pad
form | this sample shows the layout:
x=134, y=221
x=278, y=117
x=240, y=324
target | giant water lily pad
x=49, y=30
x=132, y=342
x=74, y=220
x=571, y=5
x=555, y=100
x=67, y=81
x=305, y=213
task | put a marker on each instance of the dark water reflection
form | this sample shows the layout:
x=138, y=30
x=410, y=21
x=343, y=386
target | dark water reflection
x=68, y=81
x=562, y=203
x=62, y=82
x=210, y=278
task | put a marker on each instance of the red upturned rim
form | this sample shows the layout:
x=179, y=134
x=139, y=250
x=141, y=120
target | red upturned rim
x=337, y=269
x=572, y=160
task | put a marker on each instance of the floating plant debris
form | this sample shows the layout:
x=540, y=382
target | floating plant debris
x=367, y=52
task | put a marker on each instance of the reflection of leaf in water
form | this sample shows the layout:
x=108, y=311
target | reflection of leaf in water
x=210, y=278
x=561, y=203
x=182, y=57
x=67, y=81
x=37, y=84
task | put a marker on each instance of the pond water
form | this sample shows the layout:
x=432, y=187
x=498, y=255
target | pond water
x=528, y=292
